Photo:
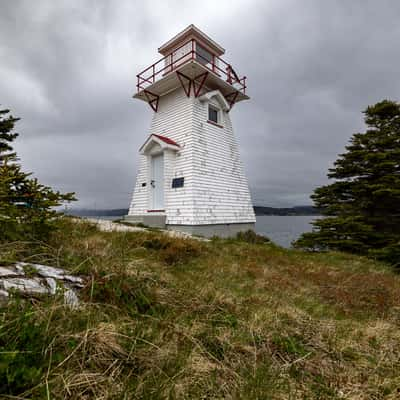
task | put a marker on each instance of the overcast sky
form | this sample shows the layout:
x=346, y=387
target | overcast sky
x=68, y=68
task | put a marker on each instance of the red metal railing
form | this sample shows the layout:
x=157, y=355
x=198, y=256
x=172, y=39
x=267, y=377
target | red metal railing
x=183, y=55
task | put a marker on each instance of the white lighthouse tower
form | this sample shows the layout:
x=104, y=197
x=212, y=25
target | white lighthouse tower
x=190, y=176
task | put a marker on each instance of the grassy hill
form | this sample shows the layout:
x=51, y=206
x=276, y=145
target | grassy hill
x=185, y=319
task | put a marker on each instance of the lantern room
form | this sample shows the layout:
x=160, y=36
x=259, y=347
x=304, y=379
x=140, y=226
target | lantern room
x=191, y=59
x=206, y=51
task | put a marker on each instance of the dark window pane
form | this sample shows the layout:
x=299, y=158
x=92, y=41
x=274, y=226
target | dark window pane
x=202, y=55
x=178, y=182
x=212, y=114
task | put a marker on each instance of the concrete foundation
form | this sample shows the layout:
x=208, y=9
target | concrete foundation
x=220, y=230
x=153, y=221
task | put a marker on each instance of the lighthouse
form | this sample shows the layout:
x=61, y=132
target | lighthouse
x=190, y=176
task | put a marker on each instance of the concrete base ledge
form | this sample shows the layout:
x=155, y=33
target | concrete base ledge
x=153, y=221
x=209, y=230
x=220, y=230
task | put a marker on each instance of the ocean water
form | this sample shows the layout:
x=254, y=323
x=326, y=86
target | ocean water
x=282, y=230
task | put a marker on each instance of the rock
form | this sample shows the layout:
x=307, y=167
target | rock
x=52, y=285
x=20, y=269
x=26, y=285
x=70, y=298
x=9, y=271
x=52, y=272
x=39, y=280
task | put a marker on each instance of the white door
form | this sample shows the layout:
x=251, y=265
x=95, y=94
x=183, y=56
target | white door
x=157, y=182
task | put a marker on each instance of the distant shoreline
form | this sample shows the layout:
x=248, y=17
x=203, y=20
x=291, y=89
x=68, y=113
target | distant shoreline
x=287, y=211
x=259, y=210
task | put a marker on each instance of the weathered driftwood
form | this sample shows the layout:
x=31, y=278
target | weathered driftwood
x=37, y=279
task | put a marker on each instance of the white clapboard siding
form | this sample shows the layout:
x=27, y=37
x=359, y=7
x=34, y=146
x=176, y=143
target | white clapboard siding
x=215, y=189
x=220, y=187
x=173, y=120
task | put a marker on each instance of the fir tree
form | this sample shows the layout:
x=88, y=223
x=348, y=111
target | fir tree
x=6, y=137
x=363, y=204
x=26, y=206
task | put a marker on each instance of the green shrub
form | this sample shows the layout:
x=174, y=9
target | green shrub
x=174, y=250
x=251, y=237
x=130, y=293
x=23, y=342
x=291, y=346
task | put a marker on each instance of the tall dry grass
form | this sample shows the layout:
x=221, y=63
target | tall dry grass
x=171, y=318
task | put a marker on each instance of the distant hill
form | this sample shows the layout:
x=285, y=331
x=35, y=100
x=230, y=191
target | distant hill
x=259, y=210
x=297, y=210
x=87, y=212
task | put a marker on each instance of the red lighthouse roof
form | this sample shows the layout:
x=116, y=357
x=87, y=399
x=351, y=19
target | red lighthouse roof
x=166, y=140
x=163, y=141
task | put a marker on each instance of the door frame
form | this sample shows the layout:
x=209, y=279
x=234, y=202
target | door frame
x=150, y=157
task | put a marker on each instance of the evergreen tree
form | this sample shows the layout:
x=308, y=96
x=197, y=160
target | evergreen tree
x=26, y=206
x=6, y=126
x=363, y=204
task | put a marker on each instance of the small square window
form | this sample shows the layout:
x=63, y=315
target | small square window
x=213, y=114
x=178, y=182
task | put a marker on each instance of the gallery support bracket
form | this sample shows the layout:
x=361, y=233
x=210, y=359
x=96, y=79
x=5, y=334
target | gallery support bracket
x=152, y=99
x=197, y=83
x=231, y=98
x=189, y=85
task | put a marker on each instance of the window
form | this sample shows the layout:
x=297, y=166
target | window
x=178, y=182
x=213, y=114
x=203, y=56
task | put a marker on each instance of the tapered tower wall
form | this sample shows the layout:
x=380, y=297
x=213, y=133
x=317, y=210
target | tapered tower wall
x=215, y=189
x=173, y=120
x=221, y=192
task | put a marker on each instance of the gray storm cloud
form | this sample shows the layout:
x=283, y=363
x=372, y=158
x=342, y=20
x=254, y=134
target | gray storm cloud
x=68, y=70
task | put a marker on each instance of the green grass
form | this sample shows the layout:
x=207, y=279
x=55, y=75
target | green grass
x=165, y=318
